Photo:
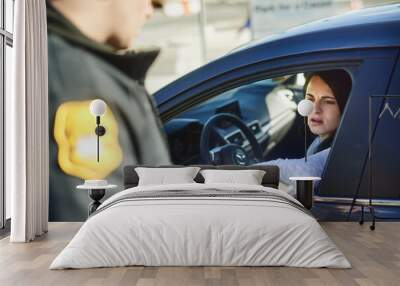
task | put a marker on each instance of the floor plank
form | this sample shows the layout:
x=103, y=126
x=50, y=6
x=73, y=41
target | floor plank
x=375, y=257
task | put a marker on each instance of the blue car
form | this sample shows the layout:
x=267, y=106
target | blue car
x=261, y=83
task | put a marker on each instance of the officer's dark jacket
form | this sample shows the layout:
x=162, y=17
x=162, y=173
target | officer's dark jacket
x=80, y=69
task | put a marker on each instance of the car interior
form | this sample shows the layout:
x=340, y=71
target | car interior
x=256, y=122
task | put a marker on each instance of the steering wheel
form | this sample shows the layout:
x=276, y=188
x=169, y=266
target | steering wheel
x=229, y=153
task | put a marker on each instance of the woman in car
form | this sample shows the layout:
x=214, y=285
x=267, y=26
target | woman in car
x=328, y=90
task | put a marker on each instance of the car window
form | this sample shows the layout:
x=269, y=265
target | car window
x=268, y=110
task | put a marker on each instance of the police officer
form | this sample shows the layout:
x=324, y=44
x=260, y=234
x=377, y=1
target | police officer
x=90, y=57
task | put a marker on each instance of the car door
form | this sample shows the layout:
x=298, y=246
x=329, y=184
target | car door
x=341, y=175
x=384, y=162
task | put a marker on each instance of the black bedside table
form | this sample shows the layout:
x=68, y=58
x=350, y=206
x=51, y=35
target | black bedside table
x=96, y=193
x=304, y=190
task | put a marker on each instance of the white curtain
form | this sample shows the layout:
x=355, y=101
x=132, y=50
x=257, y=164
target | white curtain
x=27, y=159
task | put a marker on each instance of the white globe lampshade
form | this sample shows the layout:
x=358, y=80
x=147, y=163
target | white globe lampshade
x=98, y=107
x=305, y=107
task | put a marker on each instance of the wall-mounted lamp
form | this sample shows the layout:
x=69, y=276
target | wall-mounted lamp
x=305, y=107
x=98, y=108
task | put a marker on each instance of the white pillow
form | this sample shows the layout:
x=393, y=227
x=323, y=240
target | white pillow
x=163, y=176
x=248, y=177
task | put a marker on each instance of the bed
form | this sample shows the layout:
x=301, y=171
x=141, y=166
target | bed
x=201, y=224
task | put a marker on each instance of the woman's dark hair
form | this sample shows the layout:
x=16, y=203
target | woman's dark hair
x=339, y=82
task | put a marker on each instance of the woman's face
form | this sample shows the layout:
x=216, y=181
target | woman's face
x=325, y=116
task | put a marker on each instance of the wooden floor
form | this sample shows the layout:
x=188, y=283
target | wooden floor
x=375, y=257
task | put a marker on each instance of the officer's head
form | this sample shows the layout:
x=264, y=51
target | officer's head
x=328, y=90
x=116, y=22
x=127, y=18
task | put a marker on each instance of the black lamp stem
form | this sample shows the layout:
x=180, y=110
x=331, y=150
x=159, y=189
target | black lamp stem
x=98, y=137
x=305, y=138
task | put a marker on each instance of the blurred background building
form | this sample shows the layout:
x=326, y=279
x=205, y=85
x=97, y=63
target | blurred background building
x=193, y=32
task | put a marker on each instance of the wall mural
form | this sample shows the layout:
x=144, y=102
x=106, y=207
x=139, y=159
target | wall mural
x=81, y=70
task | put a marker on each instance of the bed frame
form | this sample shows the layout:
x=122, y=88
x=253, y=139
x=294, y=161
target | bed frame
x=270, y=179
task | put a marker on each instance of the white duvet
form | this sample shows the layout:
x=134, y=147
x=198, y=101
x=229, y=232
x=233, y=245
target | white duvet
x=183, y=231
